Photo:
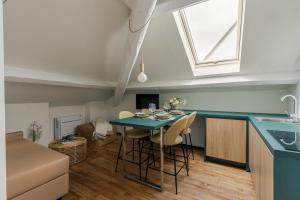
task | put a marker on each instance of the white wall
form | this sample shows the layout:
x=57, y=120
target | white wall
x=97, y=109
x=298, y=96
x=20, y=116
x=65, y=111
x=261, y=99
x=295, y=90
x=55, y=95
x=2, y=115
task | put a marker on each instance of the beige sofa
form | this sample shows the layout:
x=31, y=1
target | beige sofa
x=34, y=172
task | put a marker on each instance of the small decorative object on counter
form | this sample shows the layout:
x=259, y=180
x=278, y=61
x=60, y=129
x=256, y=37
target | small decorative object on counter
x=35, y=131
x=176, y=102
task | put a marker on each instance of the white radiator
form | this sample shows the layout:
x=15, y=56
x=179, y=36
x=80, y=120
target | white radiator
x=65, y=126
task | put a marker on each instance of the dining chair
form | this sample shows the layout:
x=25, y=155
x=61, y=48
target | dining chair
x=187, y=132
x=133, y=134
x=172, y=137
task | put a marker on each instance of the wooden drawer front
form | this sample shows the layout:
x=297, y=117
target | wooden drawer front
x=226, y=139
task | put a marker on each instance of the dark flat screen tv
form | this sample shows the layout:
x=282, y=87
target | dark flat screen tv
x=143, y=100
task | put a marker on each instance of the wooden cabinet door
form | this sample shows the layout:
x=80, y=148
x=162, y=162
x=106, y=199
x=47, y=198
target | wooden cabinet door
x=226, y=139
x=261, y=166
x=254, y=158
x=266, y=173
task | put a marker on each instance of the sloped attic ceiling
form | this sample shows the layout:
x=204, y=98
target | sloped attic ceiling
x=83, y=41
x=71, y=37
x=270, y=45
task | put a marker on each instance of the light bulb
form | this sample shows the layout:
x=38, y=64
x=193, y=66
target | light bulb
x=142, y=77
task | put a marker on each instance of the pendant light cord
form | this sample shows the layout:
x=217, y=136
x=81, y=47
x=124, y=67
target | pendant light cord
x=142, y=65
x=140, y=28
x=142, y=55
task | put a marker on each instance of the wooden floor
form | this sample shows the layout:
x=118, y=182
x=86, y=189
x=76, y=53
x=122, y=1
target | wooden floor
x=95, y=179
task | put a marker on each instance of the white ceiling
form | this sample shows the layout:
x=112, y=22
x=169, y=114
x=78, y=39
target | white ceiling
x=271, y=43
x=72, y=37
x=83, y=41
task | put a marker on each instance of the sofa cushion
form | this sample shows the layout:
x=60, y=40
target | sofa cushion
x=30, y=165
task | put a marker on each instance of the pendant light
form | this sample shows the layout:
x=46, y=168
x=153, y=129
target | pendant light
x=142, y=77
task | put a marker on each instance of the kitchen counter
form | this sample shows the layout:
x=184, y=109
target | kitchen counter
x=275, y=147
x=286, y=173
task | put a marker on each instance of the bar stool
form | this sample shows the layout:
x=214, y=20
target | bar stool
x=133, y=134
x=171, y=138
x=187, y=132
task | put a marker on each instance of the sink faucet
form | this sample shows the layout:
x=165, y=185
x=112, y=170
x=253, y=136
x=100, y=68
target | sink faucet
x=295, y=115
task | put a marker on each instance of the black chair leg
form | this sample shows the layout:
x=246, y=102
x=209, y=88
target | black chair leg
x=186, y=146
x=148, y=160
x=141, y=150
x=152, y=149
x=119, y=155
x=175, y=171
x=191, y=146
x=132, y=149
x=140, y=165
x=185, y=161
x=187, y=152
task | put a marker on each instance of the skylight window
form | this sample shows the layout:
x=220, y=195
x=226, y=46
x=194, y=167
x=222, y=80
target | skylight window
x=211, y=31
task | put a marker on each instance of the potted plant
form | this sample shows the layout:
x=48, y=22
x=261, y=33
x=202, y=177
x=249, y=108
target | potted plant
x=176, y=102
x=35, y=131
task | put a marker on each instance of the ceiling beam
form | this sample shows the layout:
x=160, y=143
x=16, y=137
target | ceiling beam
x=15, y=74
x=129, y=3
x=277, y=78
x=140, y=16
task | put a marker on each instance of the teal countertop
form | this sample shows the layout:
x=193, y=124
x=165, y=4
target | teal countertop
x=143, y=123
x=275, y=147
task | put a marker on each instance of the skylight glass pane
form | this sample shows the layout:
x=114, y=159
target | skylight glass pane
x=213, y=27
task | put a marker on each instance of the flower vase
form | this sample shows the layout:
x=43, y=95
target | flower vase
x=173, y=107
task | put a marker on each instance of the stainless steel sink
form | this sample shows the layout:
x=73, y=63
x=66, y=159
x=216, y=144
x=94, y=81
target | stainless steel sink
x=277, y=120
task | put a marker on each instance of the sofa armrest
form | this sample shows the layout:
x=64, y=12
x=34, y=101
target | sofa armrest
x=14, y=136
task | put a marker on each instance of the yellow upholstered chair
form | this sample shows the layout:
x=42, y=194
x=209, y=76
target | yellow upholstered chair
x=187, y=131
x=172, y=137
x=133, y=134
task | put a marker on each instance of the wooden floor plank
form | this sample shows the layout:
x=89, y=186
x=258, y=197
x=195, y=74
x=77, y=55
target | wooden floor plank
x=95, y=179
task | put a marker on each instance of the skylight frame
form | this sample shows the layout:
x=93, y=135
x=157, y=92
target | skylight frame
x=188, y=37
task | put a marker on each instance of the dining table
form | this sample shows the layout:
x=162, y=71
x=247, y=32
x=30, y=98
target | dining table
x=150, y=123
